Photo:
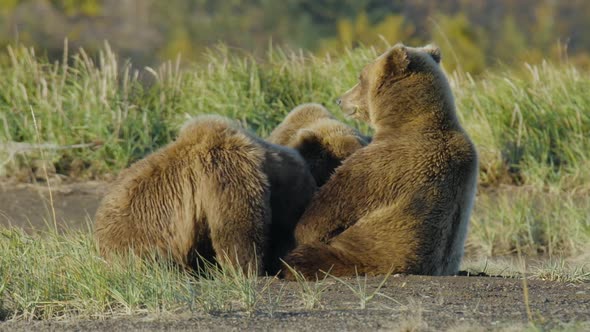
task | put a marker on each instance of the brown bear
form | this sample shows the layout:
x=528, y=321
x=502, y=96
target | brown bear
x=402, y=203
x=322, y=141
x=210, y=195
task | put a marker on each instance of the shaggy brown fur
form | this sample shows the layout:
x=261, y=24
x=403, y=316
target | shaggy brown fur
x=322, y=141
x=207, y=194
x=403, y=202
x=299, y=117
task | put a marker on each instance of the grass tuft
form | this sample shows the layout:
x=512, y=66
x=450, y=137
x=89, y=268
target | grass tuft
x=560, y=270
x=310, y=291
x=59, y=276
x=360, y=289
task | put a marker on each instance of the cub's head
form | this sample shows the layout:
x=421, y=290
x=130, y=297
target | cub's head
x=325, y=145
x=388, y=77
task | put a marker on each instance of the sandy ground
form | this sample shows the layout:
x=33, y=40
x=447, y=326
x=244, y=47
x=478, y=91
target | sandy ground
x=419, y=302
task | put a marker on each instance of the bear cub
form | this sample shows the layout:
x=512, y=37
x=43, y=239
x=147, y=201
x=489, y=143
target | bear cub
x=322, y=141
x=216, y=193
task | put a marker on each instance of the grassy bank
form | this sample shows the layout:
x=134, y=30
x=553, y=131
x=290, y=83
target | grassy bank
x=129, y=113
x=530, y=123
x=94, y=117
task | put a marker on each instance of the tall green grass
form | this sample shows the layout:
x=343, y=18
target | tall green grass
x=530, y=124
x=64, y=276
x=129, y=112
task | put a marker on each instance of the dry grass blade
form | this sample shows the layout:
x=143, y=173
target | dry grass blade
x=310, y=292
x=361, y=288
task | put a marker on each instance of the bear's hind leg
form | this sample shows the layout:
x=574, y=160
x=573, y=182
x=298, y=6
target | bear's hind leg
x=317, y=259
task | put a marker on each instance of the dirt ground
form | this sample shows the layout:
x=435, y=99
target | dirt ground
x=28, y=206
x=413, y=303
x=409, y=302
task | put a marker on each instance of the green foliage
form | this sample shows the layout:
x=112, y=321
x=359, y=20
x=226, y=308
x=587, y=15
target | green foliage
x=8, y=5
x=96, y=101
x=78, y=7
x=511, y=38
x=459, y=41
x=352, y=33
x=479, y=34
x=529, y=124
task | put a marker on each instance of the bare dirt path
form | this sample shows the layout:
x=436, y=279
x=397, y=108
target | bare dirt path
x=29, y=206
x=414, y=303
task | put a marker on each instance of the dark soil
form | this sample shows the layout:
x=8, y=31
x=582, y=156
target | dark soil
x=409, y=302
x=413, y=302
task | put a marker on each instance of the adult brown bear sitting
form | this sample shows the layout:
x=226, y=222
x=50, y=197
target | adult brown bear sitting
x=403, y=202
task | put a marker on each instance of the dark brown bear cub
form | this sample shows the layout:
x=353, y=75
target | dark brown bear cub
x=322, y=141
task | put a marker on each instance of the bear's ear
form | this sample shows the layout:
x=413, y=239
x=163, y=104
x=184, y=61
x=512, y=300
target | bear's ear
x=308, y=143
x=434, y=52
x=397, y=60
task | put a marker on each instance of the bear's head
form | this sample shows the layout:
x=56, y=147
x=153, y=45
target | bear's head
x=398, y=77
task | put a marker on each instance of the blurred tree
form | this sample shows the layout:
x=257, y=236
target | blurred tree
x=8, y=5
x=178, y=42
x=512, y=40
x=475, y=33
x=391, y=29
x=78, y=7
x=459, y=40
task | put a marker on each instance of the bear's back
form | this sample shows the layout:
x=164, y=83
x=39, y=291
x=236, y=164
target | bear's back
x=168, y=200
